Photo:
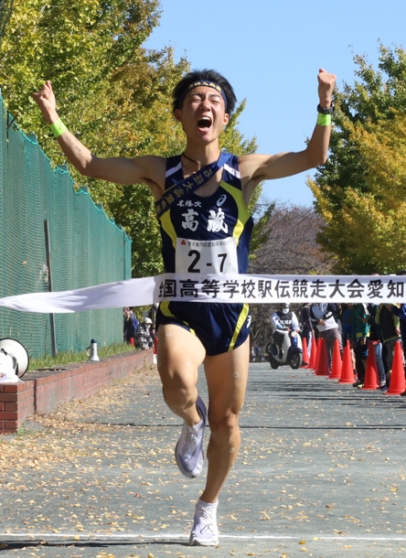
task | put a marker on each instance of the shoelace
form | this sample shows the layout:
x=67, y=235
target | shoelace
x=191, y=436
x=190, y=442
x=207, y=515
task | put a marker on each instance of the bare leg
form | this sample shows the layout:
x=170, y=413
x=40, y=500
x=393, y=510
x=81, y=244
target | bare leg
x=180, y=353
x=227, y=376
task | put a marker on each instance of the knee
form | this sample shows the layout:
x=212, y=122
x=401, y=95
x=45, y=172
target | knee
x=178, y=388
x=178, y=391
x=223, y=428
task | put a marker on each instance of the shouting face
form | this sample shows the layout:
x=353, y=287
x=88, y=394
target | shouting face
x=203, y=115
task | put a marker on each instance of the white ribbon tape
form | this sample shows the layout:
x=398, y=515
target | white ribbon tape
x=253, y=289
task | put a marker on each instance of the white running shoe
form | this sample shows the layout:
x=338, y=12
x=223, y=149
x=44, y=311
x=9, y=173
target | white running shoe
x=189, y=449
x=204, y=531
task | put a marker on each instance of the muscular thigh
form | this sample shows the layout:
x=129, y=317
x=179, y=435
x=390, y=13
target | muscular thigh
x=180, y=353
x=227, y=376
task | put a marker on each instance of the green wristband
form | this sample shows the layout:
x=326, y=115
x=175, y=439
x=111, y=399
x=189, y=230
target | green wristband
x=324, y=119
x=58, y=128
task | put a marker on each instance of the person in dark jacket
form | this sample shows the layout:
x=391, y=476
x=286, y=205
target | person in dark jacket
x=361, y=336
x=307, y=331
x=131, y=325
x=375, y=338
x=390, y=334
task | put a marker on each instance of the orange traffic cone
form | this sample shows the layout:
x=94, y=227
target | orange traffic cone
x=323, y=367
x=397, y=381
x=347, y=372
x=313, y=354
x=371, y=373
x=317, y=363
x=337, y=363
x=305, y=353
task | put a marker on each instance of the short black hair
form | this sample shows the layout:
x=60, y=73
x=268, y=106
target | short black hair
x=182, y=87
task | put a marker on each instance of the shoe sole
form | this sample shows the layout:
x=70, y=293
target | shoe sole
x=186, y=473
x=196, y=542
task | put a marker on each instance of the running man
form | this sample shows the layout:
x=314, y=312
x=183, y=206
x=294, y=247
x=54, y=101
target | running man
x=207, y=228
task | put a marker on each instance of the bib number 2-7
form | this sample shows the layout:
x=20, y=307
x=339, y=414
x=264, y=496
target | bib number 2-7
x=206, y=256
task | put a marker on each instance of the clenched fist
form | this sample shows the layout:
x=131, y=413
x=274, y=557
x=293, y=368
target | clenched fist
x=327, y=83
x=46, y=101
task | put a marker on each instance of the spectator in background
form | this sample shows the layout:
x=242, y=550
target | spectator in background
x=306, y=326
x=375, y=338
x=152, y=314
x=131, y=325
x=258, y=354
x=361, y=335
x=322, y=317
x=283, y=320
x=399, y=310
x=144, y=339
x=390, y=334
x=336, y=310
x=347, y=329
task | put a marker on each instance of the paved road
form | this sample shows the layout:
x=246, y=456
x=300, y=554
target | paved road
x=322, y=473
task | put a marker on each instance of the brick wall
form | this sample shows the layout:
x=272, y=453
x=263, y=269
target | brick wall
x=41, y=392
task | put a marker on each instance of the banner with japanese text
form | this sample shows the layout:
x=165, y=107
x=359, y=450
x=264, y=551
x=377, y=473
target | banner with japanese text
x=253, y=289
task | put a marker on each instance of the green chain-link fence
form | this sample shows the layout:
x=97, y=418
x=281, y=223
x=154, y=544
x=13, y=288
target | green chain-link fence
x=39, y=209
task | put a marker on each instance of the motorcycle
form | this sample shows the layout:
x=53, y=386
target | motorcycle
x=291, y=354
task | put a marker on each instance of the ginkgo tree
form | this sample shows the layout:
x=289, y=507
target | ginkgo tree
x=360, y=191
x=106, y=84
x=111, y=92
x=367, y=229
x=6, y=7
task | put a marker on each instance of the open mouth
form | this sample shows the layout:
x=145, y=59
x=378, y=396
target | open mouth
x=204, y=122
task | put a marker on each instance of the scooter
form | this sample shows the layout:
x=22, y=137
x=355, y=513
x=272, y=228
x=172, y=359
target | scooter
x=291, y=355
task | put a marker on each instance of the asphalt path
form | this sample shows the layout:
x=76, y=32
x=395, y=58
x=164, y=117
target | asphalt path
x=321, y=472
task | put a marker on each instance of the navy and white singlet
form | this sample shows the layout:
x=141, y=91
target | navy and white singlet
x=207, y=235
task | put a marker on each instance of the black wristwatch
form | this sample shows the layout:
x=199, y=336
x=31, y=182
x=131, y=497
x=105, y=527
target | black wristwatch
x=322, y=110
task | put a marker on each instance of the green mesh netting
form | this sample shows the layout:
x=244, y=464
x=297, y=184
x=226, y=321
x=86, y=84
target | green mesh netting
x=86, y=248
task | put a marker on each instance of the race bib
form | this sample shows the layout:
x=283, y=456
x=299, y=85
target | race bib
x=206, y=256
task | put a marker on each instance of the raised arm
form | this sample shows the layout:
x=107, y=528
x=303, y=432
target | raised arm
x=141, y=170
x=255, y=168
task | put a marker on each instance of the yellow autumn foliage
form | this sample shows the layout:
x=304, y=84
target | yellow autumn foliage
x=367, y=229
